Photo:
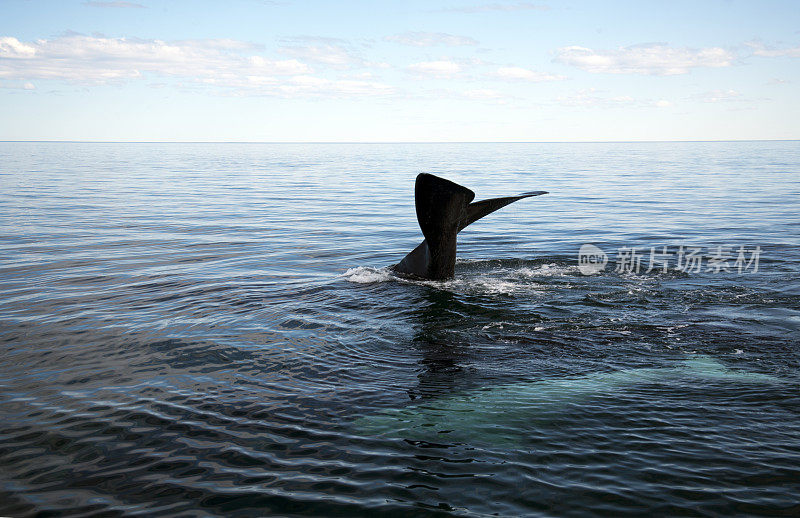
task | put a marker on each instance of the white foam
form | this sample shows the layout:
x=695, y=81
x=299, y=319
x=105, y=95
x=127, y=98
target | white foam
x=547, y=270
x=459, y=260
x=492, y=286
x=499, y=281
x=367, y=275
x=489, y=284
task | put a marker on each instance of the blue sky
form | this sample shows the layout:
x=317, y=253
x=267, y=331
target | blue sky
x=419, y=71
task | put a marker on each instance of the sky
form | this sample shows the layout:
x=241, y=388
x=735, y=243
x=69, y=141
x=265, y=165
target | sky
x=399, y=71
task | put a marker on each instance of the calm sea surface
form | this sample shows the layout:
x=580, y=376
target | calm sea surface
x=210, y=330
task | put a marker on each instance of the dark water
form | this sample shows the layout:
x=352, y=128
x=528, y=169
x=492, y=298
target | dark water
x=194, y=329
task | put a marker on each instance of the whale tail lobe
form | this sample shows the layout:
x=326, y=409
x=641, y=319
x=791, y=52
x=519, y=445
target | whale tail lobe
x=444, y=208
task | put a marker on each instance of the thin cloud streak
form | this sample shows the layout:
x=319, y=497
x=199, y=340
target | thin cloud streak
x=431, y=39
x=718, y=96
x=523, y=74
x=759, y=49
x=506, y=7
x=590, y=98
x=332, y=52
x=649, y=59
x=118, y=4
x=441, y=69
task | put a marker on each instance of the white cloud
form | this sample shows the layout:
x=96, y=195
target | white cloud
x=439, y=69
x=523, y=74
x=590, y=97
x=222, y=63
x=86, y=59
x=326, y=54
x=482, y=8
x=299, y=86
x=594, y=98
x=431, y=39
x=327, y=51
x=653, y=59
x=778, y=81
x=483, y=94
x=315, y=86
x=716, y=96
x=12, y=48
x=18, y=85
x=759, y=49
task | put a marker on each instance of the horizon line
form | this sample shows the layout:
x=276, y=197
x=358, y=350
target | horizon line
x=71, y=141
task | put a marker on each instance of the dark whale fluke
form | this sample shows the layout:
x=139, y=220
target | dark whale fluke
x=444, y=208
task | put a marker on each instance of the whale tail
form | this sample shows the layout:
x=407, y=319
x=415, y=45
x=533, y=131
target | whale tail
x=444, y=208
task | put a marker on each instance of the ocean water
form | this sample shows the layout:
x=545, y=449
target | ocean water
x=211, y=330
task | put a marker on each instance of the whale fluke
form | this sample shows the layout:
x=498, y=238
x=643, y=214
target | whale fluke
x=444, y=208
x=479, y=209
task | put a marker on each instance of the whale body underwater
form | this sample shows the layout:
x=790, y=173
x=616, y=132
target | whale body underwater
x=508, y=414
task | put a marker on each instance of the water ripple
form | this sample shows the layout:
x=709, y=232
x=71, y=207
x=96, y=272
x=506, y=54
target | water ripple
x=213, y=330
